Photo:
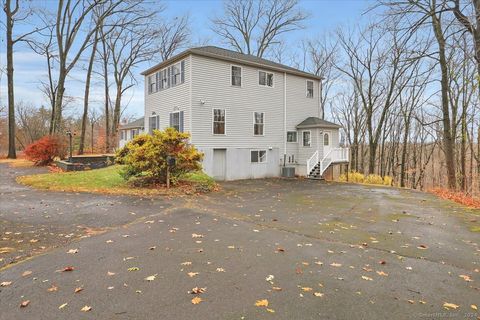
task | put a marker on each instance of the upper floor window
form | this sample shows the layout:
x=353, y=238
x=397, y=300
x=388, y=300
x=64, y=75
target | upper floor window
x=309, y=89
x=218, y=121
x=176, y=120
x=307, y=141
x=153, y=124
x=151, y=83
x=291, y=136
x=265, y=78
x=326, y=139
x=258, y=122
x=166, y=78
x=236, y=76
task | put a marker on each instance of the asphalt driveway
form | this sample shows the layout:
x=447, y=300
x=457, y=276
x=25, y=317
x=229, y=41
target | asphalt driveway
x=309, y=250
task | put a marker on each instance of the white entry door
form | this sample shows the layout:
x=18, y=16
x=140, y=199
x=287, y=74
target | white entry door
x=327, y=142
x=219, y=163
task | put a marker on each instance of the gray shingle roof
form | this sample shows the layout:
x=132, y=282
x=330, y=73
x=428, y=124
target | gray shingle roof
x=232, y=56
x=139, y=123
x=314, y=122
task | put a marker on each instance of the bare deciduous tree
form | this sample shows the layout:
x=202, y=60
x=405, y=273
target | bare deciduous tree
x=254, y=26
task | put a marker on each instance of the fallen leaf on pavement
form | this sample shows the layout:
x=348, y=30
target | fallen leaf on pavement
x=196, y=300
x=77, y=290
x=466, y=278
x=367, y=278
x=318, y=294
x=62, y=306
x=307, y=289
x=69, y=268
x=24, y=303
x=151, y=278
x=194, y=235
x=334, y=264
x=192, y=274
x=133, y=269
x=86, y=308
x=270, y=310
x=52, y=288
x=5, y=283
x=382, y=262
x=474, y=307
x=381, y=273
x=450, y=306
x=26, y=273
x=270, y=277
x=411, y=301
x=262, y=303
x=72, y=251
x=198, y=290
x=186, y=263
x=220, y=270
x=110, y=273
x=276, y=288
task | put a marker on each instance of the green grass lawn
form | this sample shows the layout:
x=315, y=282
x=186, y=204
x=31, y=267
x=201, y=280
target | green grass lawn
x=108, y=180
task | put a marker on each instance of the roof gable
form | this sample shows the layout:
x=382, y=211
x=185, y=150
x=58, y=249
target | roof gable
x=314, y=122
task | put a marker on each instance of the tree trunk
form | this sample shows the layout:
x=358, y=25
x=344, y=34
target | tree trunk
x=448, y=139
x=12, y=154
x=57, y=116
x=107, y=96
x=87, y=95
x=116, y=113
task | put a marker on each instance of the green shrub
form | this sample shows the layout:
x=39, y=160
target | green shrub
x=145, y=157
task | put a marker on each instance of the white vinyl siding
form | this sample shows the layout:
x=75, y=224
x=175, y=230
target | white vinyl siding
x=169, y=98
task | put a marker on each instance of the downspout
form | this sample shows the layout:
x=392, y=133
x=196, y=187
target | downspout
x=190, y=94
x=284, y=117
x=321, y=113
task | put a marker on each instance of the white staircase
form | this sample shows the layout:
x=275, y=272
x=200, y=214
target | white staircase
x=316, y=167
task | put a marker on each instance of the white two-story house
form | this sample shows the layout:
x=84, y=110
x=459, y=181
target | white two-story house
x=249, y=116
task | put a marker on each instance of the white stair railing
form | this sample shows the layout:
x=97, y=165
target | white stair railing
x=334, y=155
x=312, y=162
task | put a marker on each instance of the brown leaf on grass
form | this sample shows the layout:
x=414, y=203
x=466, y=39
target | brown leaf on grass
x=86, y=308
x=26, y=273
x=450, y=306
x=261, y=303
x=24, y=303
x=53, y=288
x=196, y=300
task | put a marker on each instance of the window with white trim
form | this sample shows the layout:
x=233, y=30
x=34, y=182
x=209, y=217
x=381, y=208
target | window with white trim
x=309, y=89
x=176, y=120
x=258, y=156
x=123, y=135
x=258, y=123
x=153, y=123
x=151, y=83
x=291, y=136
x=265, y=79
x=218, y=121
x=236, y=76
x=326, y=139
x=307, y=139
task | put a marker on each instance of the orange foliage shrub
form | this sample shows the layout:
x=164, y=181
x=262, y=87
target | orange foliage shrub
x=458, y=197
x=44, y=150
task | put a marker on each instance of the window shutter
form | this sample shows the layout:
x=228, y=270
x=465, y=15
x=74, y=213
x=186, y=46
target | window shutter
x=181, y=121
x=149, y=81
x=168, y=77
x=183, y=71
x=157, y=82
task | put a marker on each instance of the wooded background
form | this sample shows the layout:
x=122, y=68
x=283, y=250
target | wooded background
x=405, y=85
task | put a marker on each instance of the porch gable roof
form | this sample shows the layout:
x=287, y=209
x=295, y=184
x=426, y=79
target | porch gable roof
x=314, y=122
